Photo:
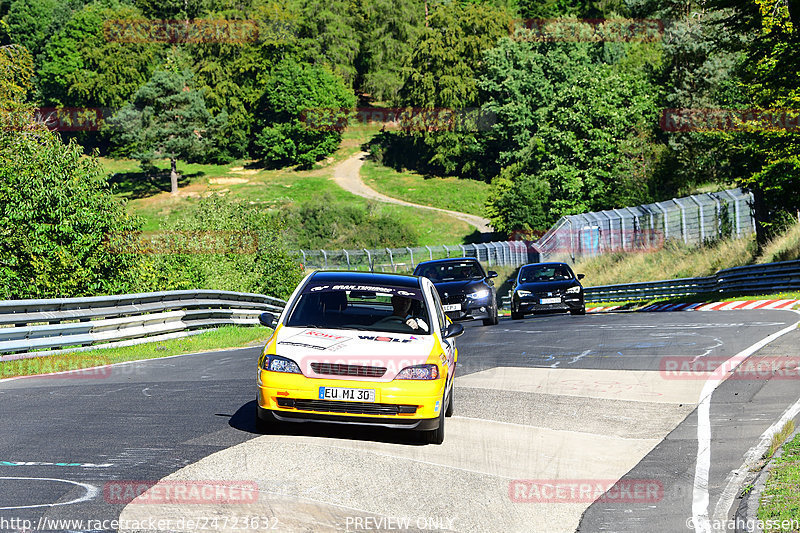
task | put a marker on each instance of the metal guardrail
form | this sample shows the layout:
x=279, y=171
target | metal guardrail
x=503, y=253
x=33, y=328
x=764, y=278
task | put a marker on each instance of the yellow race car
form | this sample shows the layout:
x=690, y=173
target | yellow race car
x=360, y=348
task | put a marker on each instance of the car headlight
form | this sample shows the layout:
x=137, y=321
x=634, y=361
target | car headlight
x=573, y=290
x=419, y=372
x=274, y=363
x=477, y=295
x=523, y=293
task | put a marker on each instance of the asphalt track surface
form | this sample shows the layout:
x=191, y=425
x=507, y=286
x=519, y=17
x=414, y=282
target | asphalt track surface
x=555, y=399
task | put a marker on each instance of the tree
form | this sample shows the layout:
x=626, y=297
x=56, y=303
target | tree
x=440, y=72
x=568, y=120
x=301, y=114
x=329, y=37
x=167, y=118
x=57, y=220
x=82, y=67
x=387, y=30
x=517, y=201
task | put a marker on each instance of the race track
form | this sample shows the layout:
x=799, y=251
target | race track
x=551, y=401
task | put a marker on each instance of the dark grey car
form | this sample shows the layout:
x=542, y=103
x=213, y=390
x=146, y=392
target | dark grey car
x=547, y=287
x=466, y=289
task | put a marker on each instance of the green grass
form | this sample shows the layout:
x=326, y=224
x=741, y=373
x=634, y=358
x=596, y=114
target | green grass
x=218, y=339
x=780, y=500
x=148, y=194
x=466, y=196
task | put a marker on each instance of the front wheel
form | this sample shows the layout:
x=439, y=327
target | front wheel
x=492, y=320
x=437, y=435
x=581, y=311
x=516, y=315
x=449, y=411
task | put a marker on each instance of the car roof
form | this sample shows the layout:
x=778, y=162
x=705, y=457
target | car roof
x=551, y=263
x=449, y=260
x=372, y=278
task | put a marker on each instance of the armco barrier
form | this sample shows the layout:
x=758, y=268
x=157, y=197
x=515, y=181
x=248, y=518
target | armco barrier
x=753, y=279
x=33, y=328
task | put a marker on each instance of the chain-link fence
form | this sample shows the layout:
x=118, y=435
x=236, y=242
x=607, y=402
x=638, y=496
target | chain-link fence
x=511, y=253
x=693, y=220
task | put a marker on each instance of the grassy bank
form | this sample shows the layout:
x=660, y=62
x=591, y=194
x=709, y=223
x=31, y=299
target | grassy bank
x=676, y=260
x=148, y=192
x=466, y=196
x=780, y=501
x=218, y=339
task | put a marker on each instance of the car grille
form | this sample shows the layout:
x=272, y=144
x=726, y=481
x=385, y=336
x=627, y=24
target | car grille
x=361, y=408
x=333, y=369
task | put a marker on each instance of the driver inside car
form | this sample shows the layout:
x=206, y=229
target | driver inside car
x=402, y=311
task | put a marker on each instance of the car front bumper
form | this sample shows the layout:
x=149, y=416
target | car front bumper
x=533, y=305
x=477, y=310
x=410, y=404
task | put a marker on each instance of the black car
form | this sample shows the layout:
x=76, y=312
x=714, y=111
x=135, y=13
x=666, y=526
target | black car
x=547, y=287
x=467, y=291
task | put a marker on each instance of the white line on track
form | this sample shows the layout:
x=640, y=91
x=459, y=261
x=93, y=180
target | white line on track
x=91, y=492
x=700, y=497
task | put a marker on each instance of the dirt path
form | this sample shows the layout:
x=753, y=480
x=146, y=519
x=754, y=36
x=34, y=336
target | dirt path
x=347, y=176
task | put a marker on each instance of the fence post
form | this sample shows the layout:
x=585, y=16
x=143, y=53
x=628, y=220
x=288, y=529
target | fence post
x=430, y=252
x=666, y=219
x=391, y=260
x=621, y=228
x=369, y=260
x=410, y=251
x=325, y=255
x=571, y=239
x=347, y=256
x=463, y=251
x=718, y=212
x=304, y=258
x=702, y=219
x=446, y=249
x=683, y=219
x=735, y=211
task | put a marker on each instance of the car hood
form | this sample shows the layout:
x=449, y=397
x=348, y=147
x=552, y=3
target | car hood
x=458, y=286
x=394, y=351
x=545, y=286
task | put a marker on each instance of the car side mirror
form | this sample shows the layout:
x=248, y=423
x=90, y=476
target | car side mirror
x=581, y=276
x=491, y=274
x=268, y=319
x=453, y=330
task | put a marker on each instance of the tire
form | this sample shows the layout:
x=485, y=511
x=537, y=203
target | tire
x=437, y=435
x=491, y=321
x=516, y=315
x=581, y=311
x=449, y=412
x=264, y=426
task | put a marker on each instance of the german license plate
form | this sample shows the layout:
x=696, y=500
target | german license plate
x=348, y=395
x=451, y=307
x=545, y=301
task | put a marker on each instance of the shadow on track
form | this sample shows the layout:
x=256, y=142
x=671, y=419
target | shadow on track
x=244, y=420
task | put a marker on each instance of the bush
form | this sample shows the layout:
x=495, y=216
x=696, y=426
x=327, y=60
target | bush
x=326, y=224
x=221, y=244
x=57, y=220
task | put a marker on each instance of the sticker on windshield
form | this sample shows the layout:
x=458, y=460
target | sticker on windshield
x=408, y=292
